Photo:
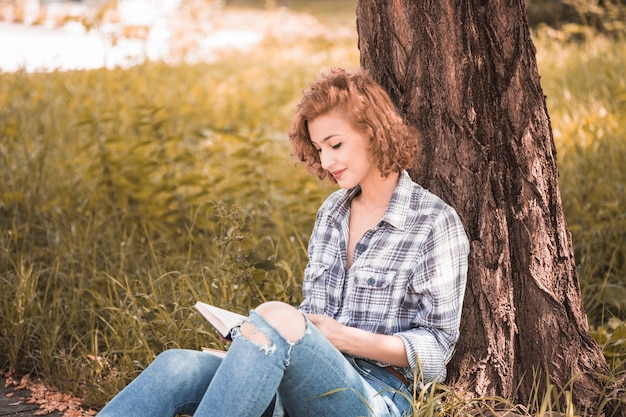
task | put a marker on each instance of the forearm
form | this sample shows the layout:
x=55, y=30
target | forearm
x=379, y=347
x=383, y=348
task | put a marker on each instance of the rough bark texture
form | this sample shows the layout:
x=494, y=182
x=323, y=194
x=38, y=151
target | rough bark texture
x=464, y=75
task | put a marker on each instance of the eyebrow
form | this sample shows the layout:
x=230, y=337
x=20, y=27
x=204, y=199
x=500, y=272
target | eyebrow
x=326, y=139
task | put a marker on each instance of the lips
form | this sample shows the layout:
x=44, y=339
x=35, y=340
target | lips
x=338, y=174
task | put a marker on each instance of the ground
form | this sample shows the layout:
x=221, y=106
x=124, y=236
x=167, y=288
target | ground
x=26, y=396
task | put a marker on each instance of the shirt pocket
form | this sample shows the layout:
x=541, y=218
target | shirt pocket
x=314, y=288
x=372, y=297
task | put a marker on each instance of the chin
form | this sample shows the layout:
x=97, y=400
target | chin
x=346, y=185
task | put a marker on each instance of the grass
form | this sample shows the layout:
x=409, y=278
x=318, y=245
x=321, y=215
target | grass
x=126, y=195
x=586, y=97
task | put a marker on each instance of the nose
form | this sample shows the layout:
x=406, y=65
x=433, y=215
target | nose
x=326, y=159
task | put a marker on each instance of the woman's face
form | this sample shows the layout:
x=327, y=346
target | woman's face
x=344, y=152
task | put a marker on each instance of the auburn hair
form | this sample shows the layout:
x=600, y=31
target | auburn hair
x=369, y=109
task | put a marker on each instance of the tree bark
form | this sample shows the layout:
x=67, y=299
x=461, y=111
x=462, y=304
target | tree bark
x=463, y=74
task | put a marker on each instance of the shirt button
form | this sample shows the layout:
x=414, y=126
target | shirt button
x=360, y=247
x=371, y=281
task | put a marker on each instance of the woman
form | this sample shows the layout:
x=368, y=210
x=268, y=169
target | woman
x=383, y=288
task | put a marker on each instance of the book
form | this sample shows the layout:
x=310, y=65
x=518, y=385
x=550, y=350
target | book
x=222, y=320
x=214, y=352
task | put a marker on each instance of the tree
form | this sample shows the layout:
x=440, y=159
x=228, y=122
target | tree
x=463, y=73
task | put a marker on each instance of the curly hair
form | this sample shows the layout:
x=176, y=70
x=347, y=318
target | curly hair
x=367, y=107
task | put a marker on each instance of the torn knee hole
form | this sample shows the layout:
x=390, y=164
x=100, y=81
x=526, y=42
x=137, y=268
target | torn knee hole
x=250, y=332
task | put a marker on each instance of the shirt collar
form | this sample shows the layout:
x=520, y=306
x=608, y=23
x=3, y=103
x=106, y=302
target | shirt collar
x=397, y=212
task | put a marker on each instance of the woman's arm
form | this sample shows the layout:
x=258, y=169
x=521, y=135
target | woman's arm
x=379, y=347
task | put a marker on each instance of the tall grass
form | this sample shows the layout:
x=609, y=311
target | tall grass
x=586, y=95
x=126, y=195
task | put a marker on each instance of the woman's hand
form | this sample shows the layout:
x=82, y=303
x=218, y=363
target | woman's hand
x=334, y=331
x=384, y=348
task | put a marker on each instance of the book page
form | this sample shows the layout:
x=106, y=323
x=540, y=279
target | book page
x=222, y=320
x=214, y=352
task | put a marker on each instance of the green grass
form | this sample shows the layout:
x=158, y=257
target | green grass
x=586, y=97
x=126, y=195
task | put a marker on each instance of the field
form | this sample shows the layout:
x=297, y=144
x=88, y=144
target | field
x=126, y=195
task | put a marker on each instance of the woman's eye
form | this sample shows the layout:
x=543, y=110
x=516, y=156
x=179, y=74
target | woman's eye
x=337, y=146
x=318, y=150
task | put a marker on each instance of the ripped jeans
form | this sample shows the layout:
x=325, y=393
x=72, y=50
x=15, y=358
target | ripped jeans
x=310, y=376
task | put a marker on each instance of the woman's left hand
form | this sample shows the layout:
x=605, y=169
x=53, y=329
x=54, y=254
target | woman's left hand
x=334, y=331
x=380, y=347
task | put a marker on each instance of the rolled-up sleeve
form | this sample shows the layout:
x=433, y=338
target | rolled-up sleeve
x=431, y=340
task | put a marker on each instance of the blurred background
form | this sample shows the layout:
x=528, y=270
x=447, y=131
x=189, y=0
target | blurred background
x=54, y=34
x=57, y=34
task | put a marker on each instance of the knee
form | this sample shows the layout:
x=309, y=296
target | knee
x=170, y=357
x=176, y=362
x=287, y=320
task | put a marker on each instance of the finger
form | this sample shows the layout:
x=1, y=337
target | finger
x=314, y=318
x=222, y=337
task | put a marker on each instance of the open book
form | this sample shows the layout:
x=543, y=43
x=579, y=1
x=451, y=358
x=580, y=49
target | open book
x=215, y=352
x=222, y=320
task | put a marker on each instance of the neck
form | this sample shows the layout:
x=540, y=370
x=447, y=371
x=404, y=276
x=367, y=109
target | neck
x=378, y=193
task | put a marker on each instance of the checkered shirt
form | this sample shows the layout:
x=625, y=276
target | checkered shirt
x=407, y=276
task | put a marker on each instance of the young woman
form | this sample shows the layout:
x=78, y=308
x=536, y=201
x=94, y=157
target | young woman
x=383, y=288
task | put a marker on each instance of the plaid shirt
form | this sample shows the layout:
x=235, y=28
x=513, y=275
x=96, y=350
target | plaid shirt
x=407, y=277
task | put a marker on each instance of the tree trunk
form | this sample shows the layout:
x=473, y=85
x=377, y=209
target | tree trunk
x=463, y=74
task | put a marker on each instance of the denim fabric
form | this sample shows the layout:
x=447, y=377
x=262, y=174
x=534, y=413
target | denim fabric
x=310, y=375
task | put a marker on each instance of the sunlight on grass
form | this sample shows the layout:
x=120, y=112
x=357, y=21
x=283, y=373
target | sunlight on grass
x=586, y=98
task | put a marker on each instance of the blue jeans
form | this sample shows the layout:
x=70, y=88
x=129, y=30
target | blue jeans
x=310, y=376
